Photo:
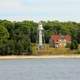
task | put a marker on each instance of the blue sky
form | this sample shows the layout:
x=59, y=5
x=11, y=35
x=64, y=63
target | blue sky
x=64, y=10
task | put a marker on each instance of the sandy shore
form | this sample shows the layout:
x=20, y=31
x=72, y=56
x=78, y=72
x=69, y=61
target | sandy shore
x=38, y=57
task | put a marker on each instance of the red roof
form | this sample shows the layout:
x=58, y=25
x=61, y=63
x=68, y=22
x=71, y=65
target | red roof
x=57, y=37
x=67, y=37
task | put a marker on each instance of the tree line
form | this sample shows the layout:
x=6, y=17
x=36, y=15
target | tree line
x=16, y=37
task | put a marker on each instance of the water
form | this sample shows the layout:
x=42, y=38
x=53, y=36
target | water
x=40, y=69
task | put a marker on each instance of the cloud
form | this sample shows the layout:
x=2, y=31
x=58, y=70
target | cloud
x=8, y=7
x=39, y=9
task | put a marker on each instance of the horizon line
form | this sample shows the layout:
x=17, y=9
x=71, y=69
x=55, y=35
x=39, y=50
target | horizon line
x=38, y=20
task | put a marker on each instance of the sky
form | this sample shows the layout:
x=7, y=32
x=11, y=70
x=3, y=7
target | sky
x=64, y=10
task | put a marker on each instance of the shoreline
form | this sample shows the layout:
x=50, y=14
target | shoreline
x=40, y=57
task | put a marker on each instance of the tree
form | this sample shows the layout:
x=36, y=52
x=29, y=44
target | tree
x=16, y=37
x=8, y=48
x=4, y=35
x=22, y=39
x=74, y=45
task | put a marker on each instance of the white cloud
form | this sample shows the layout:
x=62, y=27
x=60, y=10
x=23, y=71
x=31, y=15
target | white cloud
x=18, y=8
x=39, y=9
x=11, y=6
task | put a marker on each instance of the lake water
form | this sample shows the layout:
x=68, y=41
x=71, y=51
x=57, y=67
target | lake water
x=40, y=69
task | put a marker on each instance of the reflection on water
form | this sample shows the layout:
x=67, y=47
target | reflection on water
x=40, y=69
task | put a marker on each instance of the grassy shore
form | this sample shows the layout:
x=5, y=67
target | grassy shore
x=46, y=53
x=54, y=51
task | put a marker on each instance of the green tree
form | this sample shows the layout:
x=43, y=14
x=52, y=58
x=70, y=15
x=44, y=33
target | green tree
x=74, y=45
x=22, y=39
x=4, y=35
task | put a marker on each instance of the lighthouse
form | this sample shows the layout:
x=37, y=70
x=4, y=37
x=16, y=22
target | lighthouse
x=40, y=36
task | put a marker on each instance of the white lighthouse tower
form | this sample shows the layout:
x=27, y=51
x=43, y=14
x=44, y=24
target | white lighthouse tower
x=40, y=36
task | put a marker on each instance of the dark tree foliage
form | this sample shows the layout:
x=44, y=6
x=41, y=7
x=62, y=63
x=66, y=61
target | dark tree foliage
x=74, y=45
x=16, y=37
